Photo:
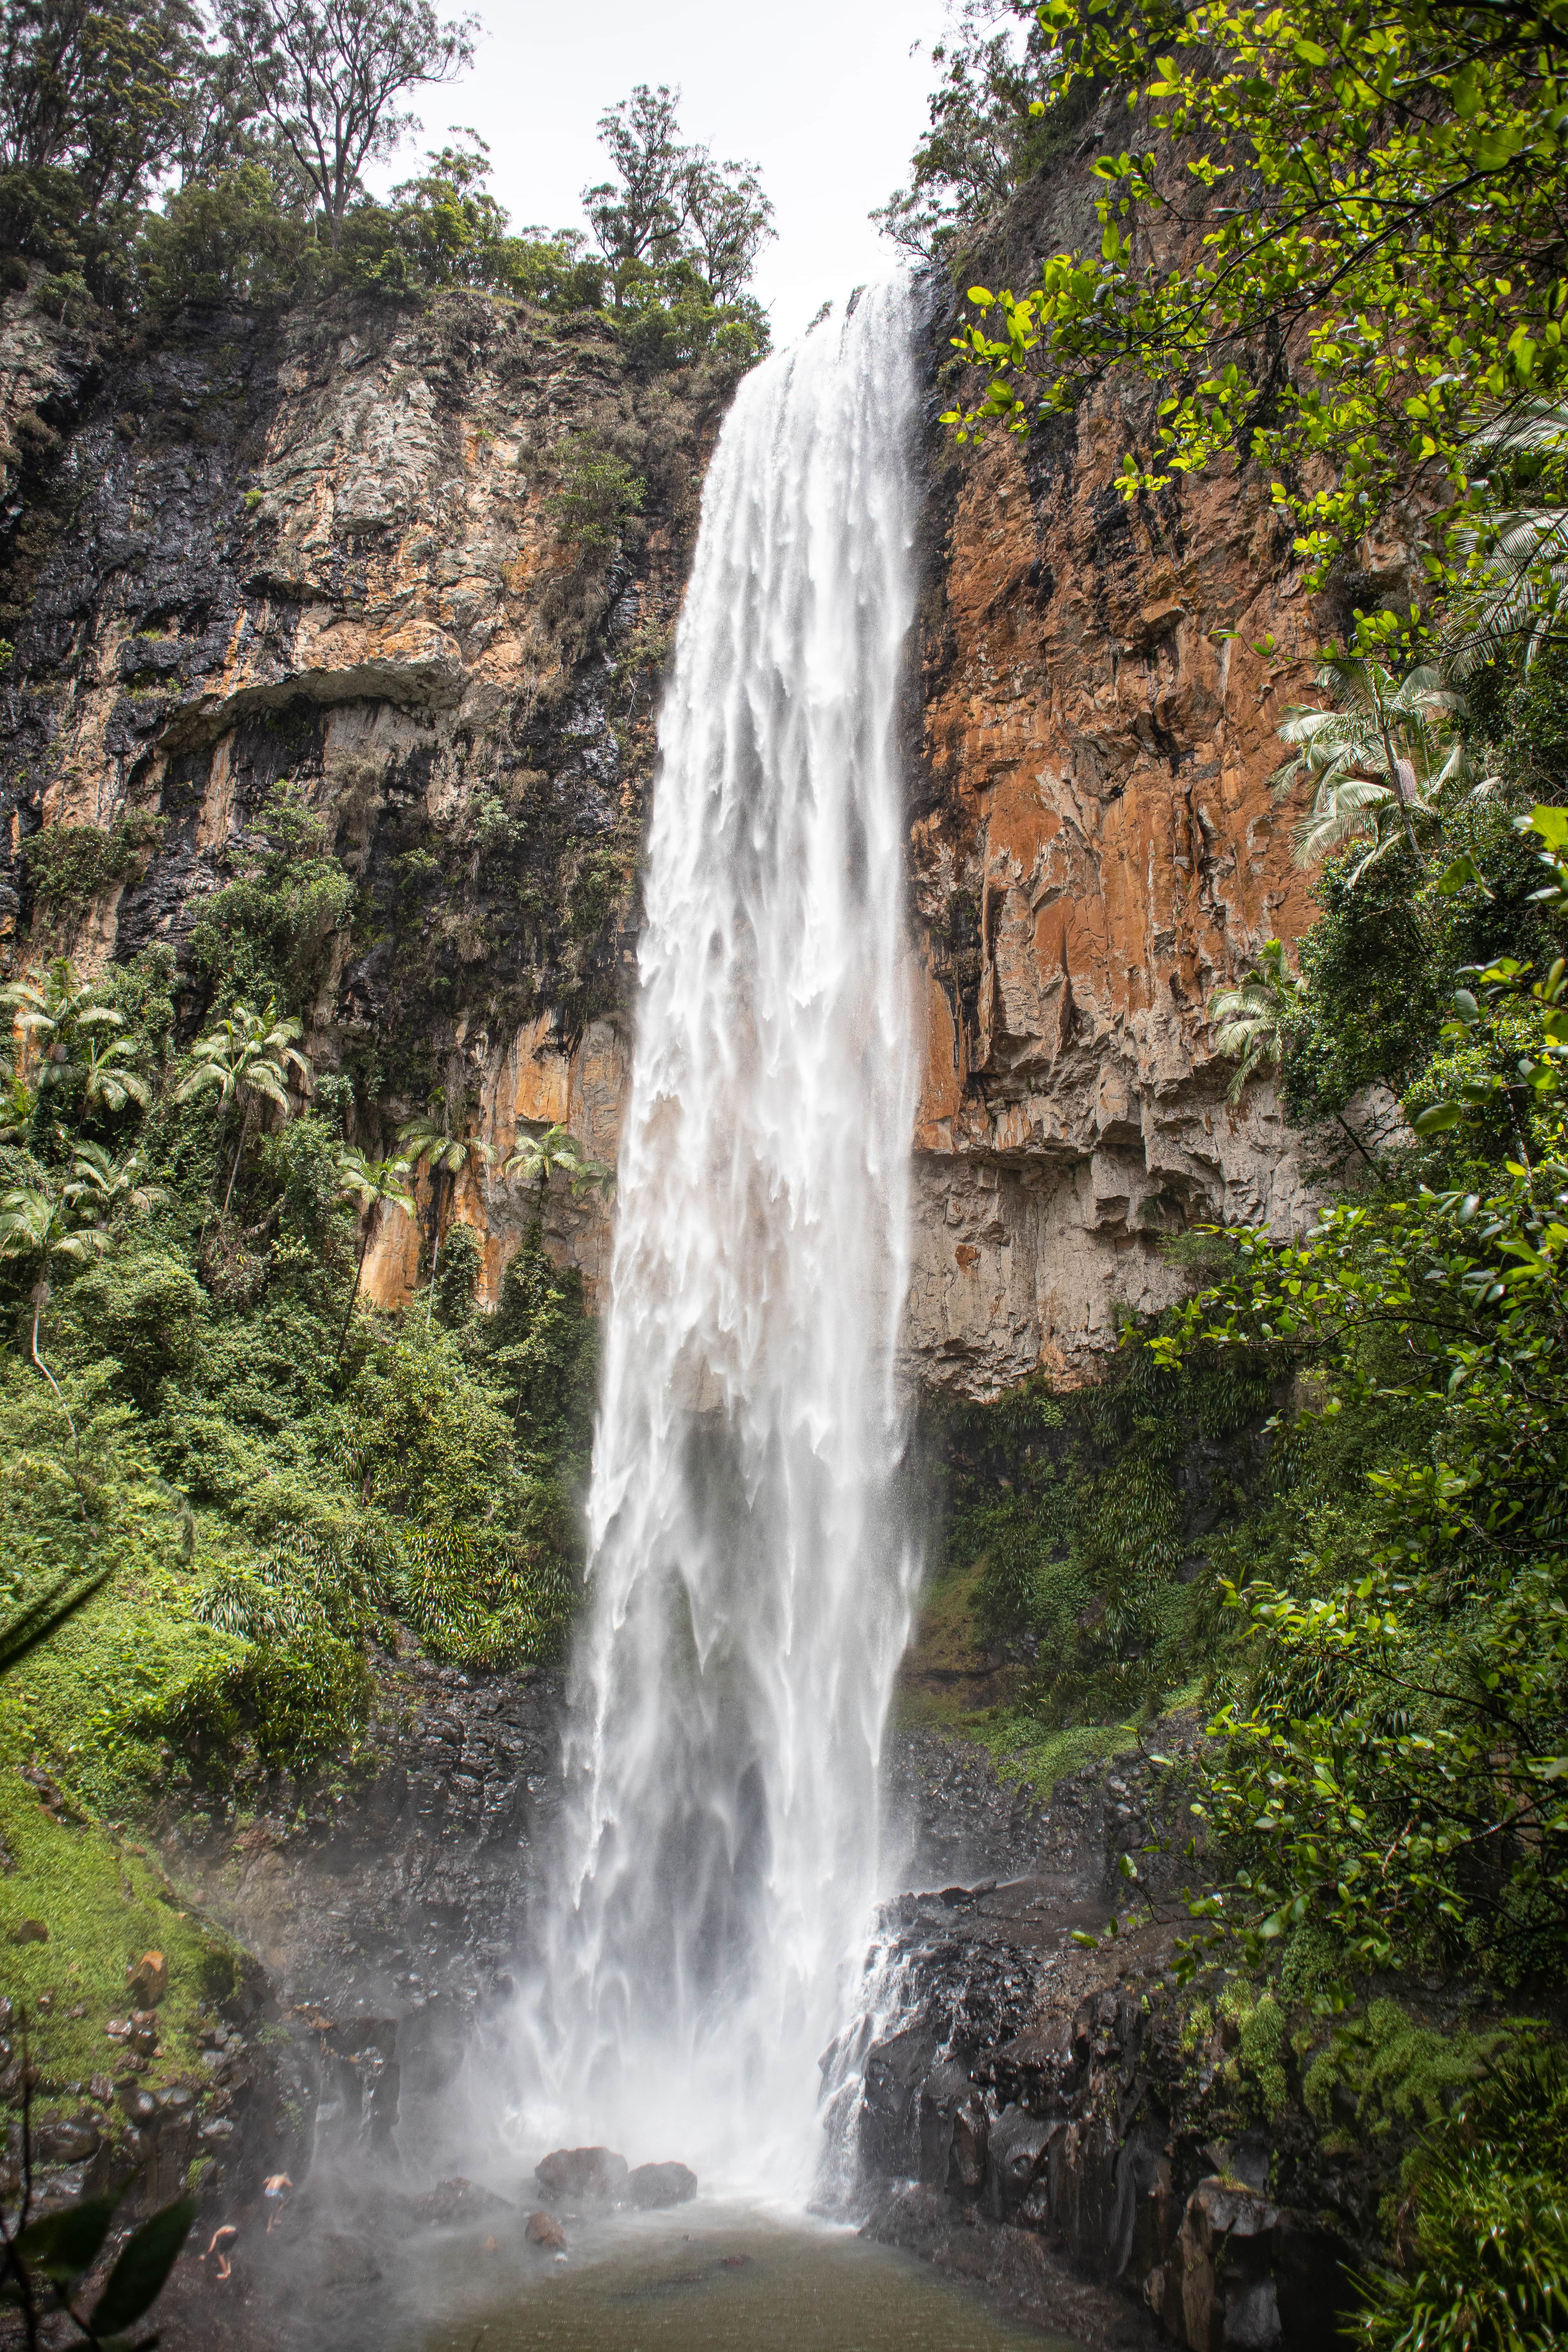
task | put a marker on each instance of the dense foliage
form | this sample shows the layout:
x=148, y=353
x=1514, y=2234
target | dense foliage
x=197, y=1398
x=150, y=166
x=1335, y=257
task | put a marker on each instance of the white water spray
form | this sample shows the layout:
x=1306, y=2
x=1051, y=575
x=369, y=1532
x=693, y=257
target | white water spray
x=752, y=1582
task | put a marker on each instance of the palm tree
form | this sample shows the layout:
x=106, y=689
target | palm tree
x=1384, y=752
x=107, y=1184
x=42, y=1225
x=247, y=1058
x=1517, y=573
x=17, y=1104
x=1252, y=1019
x=108, y=1077
x=376, y=1184
x=428, y=1137
x=53, y=1009
x=536, y=1158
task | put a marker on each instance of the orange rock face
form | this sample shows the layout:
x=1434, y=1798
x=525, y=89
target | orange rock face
x=1096, y=848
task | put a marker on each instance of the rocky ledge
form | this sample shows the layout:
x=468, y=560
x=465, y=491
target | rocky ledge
x=1125, y=2159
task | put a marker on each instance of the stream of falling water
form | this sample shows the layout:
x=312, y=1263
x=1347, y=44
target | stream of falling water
x=751, y=1578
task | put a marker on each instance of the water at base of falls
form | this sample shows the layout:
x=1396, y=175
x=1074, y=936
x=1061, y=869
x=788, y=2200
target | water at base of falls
x=720, y=2281
x=751, y=1578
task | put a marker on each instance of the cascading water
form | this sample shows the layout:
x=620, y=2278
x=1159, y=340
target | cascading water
x=750, y=1578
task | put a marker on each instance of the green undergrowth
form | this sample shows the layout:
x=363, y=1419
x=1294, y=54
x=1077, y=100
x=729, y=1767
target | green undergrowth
x=277, y=1488
x=267, y=1527
x=1386, y=2070
x=103, y=1905
x=1024, y=1751
x=1078, y=1529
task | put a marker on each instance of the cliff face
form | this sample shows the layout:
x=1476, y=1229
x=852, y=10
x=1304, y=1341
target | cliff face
x=423, y=571
x=1094, y=849
x=362, y=552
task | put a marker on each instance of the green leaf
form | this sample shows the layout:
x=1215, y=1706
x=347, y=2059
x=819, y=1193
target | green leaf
x=1311, y=54
x=1464, y=874
x=1435, y=1117
x=137, y=2279
x=64, y=2244
x=1552, y=825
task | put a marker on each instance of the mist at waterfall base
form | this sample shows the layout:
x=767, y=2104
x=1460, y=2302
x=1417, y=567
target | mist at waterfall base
x=751, y=1577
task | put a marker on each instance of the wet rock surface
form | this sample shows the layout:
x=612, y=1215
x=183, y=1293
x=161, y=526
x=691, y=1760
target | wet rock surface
x=586, y=2176
x=652, y=2188
x=404, y=1897
x=1039, y=2115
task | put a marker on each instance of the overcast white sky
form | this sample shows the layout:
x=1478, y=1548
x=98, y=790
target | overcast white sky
x=824, y=94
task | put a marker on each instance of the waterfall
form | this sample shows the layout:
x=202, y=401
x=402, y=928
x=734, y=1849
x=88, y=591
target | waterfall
x=751, y=1581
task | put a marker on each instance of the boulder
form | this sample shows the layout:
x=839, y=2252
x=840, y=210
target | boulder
x=544, y=2230
x=589, y=2176
x=1216, y=2292
x=457, y=2201
x=149, y=1979
x=653, y=2185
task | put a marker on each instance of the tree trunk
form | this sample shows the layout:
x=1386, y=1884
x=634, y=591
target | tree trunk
x=1397, y=781
x=359, y=1269
x=238, y=1155
x=436, y=1243
x=40, y=1301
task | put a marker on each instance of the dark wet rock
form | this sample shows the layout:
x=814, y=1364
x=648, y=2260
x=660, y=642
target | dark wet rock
x=407, y=1901
x=590, y=2176
x=1025, y=2102
x=652, y=2186
x=1012, y=2264
x=333, y=2261
x=452, y=2203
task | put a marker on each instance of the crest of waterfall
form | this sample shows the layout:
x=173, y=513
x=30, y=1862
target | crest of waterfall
x=751, y=1578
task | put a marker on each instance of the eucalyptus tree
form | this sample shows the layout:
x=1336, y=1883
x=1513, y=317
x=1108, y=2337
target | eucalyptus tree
x=990, y=122
x=247, y=1057
x=670, y=202
x=327, y=75
x=106, y=89
x=376, y=1185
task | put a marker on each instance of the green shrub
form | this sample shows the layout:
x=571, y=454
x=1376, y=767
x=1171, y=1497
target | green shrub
x=68, y=865
x=220, y=244
x=268, y=934
x=1489, y=2268
x=598, y=492
x=478, y=1599
x=458, y=1275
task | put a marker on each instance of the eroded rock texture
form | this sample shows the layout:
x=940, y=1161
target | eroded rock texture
x=1066, y=2124
x=1095, y=847
x=334, y=551
x=337, y=553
